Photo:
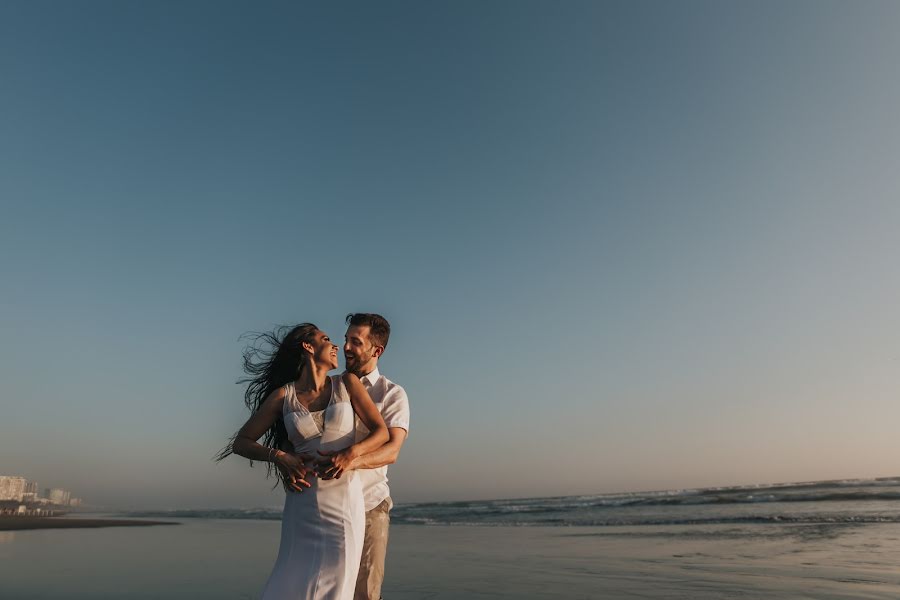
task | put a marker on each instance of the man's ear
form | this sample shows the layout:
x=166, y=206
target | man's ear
x=377, y=351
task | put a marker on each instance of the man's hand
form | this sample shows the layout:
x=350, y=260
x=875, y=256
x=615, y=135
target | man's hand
x=293, y=470
x=335, y=464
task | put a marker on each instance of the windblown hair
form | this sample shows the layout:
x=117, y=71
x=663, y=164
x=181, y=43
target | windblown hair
x=379, y=328
x=271, y=360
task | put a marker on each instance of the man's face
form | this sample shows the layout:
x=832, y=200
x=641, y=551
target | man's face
x=358, y=348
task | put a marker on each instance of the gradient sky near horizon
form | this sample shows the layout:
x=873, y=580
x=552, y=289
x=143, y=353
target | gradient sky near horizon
x=623, y=246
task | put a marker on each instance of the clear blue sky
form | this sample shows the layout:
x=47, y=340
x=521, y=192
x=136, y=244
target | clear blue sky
x=623, y=246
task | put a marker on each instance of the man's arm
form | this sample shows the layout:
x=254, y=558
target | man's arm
x=386, y=454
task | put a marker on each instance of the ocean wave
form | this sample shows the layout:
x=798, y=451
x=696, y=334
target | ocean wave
x=542, y=508
x=399, y=516
x=735, y=498
x=460, y=518
x=813, y=502
x=264, y=514
x=642, y=522
x=850, y=490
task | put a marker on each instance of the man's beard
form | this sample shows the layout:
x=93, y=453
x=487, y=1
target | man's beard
x=355, y=364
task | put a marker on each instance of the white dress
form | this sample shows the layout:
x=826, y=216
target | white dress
x=322, y=528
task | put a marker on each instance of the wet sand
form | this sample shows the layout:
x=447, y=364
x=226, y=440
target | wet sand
x=14, y=523
x=689, y=563
x=216, y=559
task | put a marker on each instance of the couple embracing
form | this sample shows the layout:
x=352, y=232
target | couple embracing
x=329, y=439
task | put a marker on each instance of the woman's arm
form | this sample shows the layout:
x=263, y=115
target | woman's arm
x=368, y=413
x=245, y=442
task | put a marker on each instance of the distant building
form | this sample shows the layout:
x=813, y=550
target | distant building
x=75, y=502
x=31, y=492
x=59, y=497
x=12, y=487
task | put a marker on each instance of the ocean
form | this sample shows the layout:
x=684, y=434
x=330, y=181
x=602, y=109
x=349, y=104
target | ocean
x=853, y=501
x=827, y=540
x=819, y=503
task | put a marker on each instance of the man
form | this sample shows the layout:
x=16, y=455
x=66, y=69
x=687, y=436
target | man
x=366, y=338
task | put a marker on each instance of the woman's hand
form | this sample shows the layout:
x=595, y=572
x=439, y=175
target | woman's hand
x=335, y=463
x=293, y=470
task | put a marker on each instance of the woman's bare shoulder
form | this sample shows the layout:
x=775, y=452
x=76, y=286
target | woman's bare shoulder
x=276, y=396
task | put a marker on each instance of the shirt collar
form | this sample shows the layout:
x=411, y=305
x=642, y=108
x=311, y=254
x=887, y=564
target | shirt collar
x=372, y=377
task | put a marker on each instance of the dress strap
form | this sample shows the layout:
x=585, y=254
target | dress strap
x=341, y=393
x=290, y=398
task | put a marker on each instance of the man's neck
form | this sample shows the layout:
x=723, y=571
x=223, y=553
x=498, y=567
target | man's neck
x=366, y=369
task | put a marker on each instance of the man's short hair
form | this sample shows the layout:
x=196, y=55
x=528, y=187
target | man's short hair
x=379, y=328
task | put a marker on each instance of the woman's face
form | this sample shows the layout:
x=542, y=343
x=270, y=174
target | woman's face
x=325, y=351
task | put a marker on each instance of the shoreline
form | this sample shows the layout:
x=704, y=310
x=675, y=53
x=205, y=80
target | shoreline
x=15, y=523
x=198, y=561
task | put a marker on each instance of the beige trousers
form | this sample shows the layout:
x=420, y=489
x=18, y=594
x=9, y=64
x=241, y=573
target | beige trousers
x=371, y=567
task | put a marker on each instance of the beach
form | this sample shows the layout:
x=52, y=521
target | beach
x=220, y=558
x=588, y=299
x=443, y=563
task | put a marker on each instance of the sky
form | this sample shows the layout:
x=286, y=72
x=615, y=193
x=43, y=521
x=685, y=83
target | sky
x=622, y=246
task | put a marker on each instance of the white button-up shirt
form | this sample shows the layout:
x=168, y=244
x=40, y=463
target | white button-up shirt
x=391, y=401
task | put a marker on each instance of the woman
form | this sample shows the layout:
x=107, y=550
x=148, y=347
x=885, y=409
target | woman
x=293, y=399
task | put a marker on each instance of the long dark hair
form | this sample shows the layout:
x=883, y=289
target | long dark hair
x=272, y=359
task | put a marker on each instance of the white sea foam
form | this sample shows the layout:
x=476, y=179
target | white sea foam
x=850, y=501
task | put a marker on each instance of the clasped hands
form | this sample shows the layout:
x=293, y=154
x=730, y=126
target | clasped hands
x=295, y=468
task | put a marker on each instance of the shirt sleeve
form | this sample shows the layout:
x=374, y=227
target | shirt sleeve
x=395, y=408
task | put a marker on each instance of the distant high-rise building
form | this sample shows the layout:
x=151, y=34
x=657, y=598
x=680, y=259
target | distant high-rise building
x=31, y=492
x=12, y=487
x=59, y=497
x=75, y=502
